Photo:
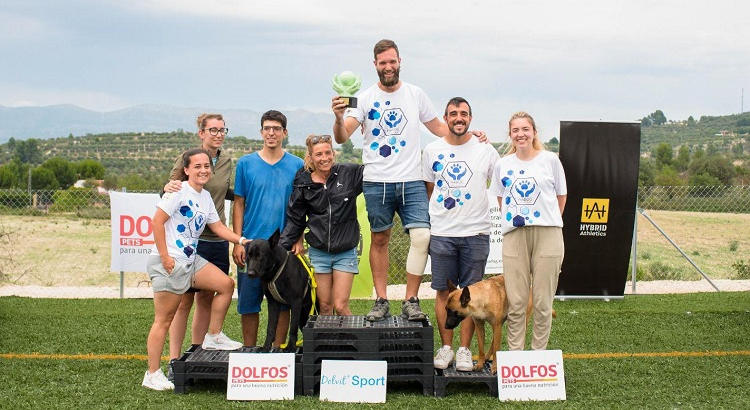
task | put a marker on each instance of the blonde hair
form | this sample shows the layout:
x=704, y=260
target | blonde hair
x=319, y=139
x=203, y=119
x=536, y=142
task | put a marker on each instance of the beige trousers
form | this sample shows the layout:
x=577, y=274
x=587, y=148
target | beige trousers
x=532, y=256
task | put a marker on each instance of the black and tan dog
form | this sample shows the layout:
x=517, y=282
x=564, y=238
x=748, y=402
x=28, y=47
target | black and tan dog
x=484, y=301
x=285, y=282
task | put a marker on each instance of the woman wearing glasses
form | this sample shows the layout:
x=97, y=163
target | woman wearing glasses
x=211, y=131
x=324, y=200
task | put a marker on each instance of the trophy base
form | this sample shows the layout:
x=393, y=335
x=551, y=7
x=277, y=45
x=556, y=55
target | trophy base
x=351, y=102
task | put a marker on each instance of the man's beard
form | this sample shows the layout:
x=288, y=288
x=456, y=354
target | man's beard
x=393, y=81
x=453, y=129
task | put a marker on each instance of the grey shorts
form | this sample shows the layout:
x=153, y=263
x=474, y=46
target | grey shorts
x=181, y=278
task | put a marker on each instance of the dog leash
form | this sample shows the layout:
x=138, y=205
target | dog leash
x=312, y=282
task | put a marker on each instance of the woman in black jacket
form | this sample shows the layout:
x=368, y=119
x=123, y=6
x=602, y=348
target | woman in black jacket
x=324, y=200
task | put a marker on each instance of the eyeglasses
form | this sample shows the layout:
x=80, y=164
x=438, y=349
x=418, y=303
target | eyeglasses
x=269, y=128
x=320, y=138
x=216, y=131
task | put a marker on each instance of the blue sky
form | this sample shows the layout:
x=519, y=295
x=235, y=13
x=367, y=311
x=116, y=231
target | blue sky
x=571, y=60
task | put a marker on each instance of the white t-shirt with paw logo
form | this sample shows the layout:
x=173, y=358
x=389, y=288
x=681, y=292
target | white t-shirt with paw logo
x=529, y=190
x=189, y=212
x=458, y=204
x=392, y=135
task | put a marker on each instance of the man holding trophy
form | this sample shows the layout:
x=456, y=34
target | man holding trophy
x=390, y=112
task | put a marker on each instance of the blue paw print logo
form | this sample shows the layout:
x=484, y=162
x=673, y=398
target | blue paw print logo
x=393, y=121
x=457, y=174
x=454, y=175
x=525, y=191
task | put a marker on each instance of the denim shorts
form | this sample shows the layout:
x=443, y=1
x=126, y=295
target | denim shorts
x=325, y=262
x=460, y=259
x=408, y=199
x=179, y=280
x=250, y=294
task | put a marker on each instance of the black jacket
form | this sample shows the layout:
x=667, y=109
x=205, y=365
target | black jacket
x=329, y=210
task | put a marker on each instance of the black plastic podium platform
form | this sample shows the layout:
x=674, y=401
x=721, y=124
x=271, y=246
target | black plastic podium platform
x=405, y=345
x=198, y=364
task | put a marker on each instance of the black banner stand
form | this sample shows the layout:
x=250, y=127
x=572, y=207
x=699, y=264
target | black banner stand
x=601, y=168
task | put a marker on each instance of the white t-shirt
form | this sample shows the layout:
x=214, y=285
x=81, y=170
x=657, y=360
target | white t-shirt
x=458, y=204
x=529, y=190
x=189, y=212
x=391, y=135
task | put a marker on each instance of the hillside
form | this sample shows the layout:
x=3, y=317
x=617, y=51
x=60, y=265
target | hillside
x=55, y=121
x=723, y=132
x=149, y=153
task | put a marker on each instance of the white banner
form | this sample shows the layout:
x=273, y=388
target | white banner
x=494, y=263
x=132, y=230
x=495, y=259
x=353, y=381
x=530, y=375
x=260, y=376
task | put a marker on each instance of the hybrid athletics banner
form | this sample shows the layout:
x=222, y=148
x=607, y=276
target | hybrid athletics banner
x=601, y=168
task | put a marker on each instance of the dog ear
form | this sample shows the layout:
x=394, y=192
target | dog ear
x=465, y=297
x=274, y=239
x=451, y=286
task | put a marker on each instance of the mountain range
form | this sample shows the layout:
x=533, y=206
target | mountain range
x=62, y=120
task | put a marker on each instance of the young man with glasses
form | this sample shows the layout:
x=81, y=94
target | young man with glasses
x=262, y=186
x=390, y=112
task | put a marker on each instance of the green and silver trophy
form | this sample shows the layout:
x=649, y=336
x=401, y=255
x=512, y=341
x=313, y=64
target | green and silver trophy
x=346, y=85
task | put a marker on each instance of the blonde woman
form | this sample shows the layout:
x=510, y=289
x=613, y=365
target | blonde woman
x=324, y=199
x=530, y=186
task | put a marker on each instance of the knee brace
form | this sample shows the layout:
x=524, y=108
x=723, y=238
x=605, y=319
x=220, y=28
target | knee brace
x=416, y=260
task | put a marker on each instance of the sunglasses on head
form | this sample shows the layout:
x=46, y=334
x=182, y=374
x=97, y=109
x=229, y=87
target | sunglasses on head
x=320, y=138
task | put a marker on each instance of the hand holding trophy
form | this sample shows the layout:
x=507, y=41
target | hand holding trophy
x=346, y=85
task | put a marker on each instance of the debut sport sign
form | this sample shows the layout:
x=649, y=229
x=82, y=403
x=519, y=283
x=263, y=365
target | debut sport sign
x=530, y=375
x=353, y=381
x=260, y=376
x=132, y=230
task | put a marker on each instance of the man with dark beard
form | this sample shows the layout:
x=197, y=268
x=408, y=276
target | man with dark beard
x=456, y=170
x=390, y=112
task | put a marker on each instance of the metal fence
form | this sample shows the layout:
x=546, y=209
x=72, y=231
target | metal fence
x=730, y=199
x=92, y=203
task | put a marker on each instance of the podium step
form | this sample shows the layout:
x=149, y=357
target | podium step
x=451, y=375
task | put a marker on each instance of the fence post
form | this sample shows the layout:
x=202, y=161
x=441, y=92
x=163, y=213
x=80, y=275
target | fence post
x=122, y=274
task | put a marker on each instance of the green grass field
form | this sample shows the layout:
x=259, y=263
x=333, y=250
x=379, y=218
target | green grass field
x=680, y=351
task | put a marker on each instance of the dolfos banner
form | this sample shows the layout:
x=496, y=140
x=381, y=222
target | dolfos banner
x=260, y=376
x=530, y=375
x=353, y=381
x=132, y=230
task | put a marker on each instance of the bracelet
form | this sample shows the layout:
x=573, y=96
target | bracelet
x=241, y=239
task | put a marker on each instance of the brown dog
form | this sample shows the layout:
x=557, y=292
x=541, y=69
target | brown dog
x=484, y=301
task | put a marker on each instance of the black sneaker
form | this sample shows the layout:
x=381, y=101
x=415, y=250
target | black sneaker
x=170, y=370
x=379, y=311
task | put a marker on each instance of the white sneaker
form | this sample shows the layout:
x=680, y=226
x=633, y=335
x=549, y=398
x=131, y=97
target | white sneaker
x=219, y=341
x=463, y=360
x=156, y=381
x=444, y=357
